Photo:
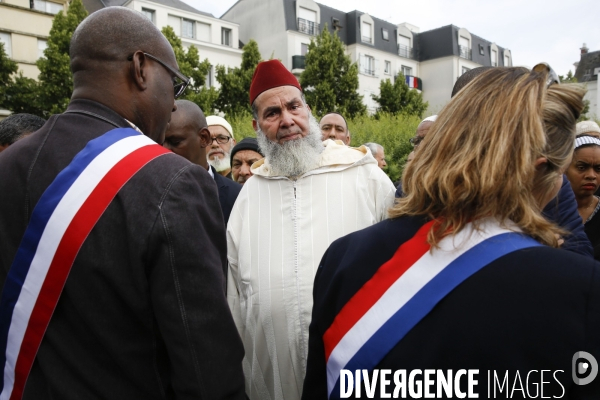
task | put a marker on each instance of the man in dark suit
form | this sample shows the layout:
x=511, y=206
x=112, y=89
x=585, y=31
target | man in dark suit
x=188, y=136
x=142, y=314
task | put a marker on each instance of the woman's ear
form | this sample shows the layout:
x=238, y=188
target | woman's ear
x=541, y=163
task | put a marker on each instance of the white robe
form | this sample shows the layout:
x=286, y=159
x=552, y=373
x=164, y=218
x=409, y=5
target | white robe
x=277, y=234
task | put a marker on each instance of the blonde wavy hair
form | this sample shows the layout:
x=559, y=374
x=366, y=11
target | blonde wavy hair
x=478, y=158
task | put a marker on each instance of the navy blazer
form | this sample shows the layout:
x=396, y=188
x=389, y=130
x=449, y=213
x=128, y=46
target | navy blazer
x=531, y=309
x=228, y=193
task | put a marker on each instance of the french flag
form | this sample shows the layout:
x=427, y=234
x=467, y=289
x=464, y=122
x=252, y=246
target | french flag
x=405, y=289
x=60, y=223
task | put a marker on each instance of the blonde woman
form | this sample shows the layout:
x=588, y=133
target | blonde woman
x=465, y=276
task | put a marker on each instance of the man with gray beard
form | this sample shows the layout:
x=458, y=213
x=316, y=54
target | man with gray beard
x=304, y=195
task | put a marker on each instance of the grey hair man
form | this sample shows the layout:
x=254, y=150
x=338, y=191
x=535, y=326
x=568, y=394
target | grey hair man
x=303, y=195
x=221, y=143
x=378, y=153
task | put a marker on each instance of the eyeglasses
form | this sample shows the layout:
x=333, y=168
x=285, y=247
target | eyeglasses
x=416, y=140
x=220, y=139
x=552, y=76
x=178, y=87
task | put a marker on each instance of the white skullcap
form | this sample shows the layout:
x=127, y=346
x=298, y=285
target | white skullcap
x=587, y=127
x=430, y=119
x=216, y=120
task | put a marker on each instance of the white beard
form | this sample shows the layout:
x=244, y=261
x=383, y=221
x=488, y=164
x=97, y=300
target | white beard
x=221, y=164
x=293, y=157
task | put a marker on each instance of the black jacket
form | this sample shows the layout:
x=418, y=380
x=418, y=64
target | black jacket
x=143, y=314
x=531, y=309
x=228, y=193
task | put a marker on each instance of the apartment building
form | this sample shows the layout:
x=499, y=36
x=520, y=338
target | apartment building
x=431, y=61
x=216, y=39
x=588, y=69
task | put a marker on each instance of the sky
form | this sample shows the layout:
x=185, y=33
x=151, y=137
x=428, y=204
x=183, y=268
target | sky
x=534, y=31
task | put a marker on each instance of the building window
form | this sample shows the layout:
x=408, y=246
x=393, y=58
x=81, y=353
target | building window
x=464, y=48
x=406, y=71
x=506, y=61
x=303, y=49
x=148, y=13
x=366, y=33
x=225, y=37
x=465, y=70
x=203, y=32
x=307, y=21
x=404, y=49
x=481, y=50
x=47, y=6
x=5, y=38
x=187, y=28
x=367, y=65
x=388, y=68
x=42, y=45
x=385, y=34
x=494, y=56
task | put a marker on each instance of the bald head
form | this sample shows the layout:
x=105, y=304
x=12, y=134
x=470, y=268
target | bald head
x=113, y=34
x=114, y=59
x=187, y=134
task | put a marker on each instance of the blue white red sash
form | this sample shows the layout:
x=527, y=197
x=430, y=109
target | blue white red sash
x=60, y=223
x=404, y=290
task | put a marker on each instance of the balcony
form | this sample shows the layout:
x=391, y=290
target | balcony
x=464, y=52
x=298, y=64
x=366, y=39
x=308, y=27
x=494, y=63
x=405, y=51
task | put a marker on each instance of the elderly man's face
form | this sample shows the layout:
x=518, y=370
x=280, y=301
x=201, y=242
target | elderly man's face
x=218, y=150
x=183, y=139
x=380, y=157
x=334, y=127
x=242, y=162
x=282, y=115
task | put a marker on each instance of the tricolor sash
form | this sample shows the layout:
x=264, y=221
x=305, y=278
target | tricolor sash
x=405, y=289
x=59, y=224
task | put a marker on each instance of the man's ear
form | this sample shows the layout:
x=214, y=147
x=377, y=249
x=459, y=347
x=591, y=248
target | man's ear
x=255, y=125
x=348, y=139
x=205, y=137
x=140, y=70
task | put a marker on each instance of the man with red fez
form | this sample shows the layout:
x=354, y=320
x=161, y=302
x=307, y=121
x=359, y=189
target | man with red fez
x=304, y=195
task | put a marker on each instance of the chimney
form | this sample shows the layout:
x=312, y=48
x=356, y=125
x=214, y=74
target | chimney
x=584, y=49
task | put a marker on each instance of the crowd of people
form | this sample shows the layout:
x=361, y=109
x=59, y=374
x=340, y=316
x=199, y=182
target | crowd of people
x=146, y=254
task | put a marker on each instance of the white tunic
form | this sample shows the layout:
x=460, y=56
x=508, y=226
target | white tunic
x=277, y=234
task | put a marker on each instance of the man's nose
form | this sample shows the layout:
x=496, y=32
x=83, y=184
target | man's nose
x=245, y=170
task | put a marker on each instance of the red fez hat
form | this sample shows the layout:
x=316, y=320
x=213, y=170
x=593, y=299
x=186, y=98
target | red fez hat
x=268, y=75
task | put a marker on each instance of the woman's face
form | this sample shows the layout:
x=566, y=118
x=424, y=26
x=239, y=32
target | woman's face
x=584, y=171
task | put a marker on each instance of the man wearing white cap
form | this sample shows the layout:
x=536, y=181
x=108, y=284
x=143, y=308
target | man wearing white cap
x=222, y=141
x=589, y=128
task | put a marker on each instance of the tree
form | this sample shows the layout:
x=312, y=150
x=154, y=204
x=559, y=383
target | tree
x=190, y=65
x=7, y=68
x=55, y=79
x=398, y=98
x=330, y=79
x=235, y=83
x=22, y=96
x=569, y=78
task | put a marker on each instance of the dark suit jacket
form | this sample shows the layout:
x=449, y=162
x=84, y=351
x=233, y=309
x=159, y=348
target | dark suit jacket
x=228, y=193
x=532, y=309
x=143, y=314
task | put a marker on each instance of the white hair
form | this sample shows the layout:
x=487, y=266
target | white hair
x=221, y=164
x=293, y=157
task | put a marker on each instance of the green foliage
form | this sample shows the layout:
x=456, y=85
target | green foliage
x=398, y=98
x=391, y=131
x=22, y=96
x=569, y=78
x=190, y=65
x=330, y=79
x=7, y=68
x=235, y=83
x=242, y=126
x=55, y=79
